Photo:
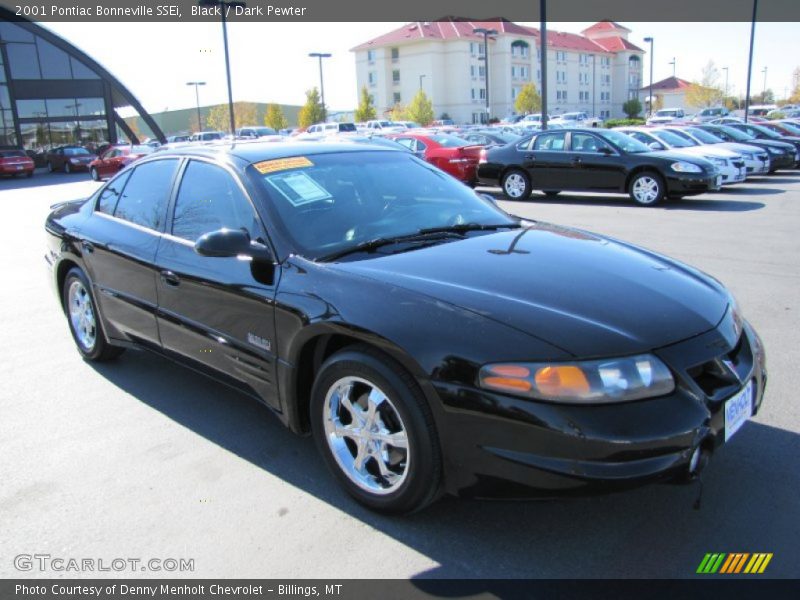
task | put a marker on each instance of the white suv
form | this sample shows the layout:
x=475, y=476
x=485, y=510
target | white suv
x=666, y=115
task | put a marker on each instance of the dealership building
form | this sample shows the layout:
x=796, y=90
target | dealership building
x=53, y=94
x=595, y=71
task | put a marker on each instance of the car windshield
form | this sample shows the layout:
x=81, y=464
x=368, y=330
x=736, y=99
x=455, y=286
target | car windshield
x=704, y=136
x=347, y=127
x=676, y=141
x=264, y=131
x=736, y=134
x=449, y=141
x=328, y=203
x=767, y=131
x=76, y=151
x=625, y=142
x=684, y=136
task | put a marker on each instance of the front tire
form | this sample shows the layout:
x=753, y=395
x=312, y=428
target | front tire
x=375, y=431
x=50, y=168
x=84, y=320
x=67, y=168
x=95, y=174
x=647, y=188
x=516, y=185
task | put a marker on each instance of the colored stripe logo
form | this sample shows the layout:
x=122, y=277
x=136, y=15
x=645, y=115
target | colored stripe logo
x=734, y=562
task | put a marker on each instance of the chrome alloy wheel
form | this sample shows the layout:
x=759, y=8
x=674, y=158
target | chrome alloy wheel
x=81, y=315
x=515, y=185
x=366, y=435
x=646, y=190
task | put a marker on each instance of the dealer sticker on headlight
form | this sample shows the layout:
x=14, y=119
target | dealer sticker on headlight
x=738, y=409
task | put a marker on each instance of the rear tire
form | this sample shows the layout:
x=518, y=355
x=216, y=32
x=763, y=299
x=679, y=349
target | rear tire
x=67, y=168
x=84, y=319
x=95, y=174
x=647, y=188
x=516, y=185
x=50, y=168
x=375, y=431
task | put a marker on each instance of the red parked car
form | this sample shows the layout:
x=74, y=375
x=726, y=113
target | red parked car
x=115, y=158
x=448, y=152
x=69, y=159
x=15, y=162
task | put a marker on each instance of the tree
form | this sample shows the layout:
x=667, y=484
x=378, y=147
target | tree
x=366, y=107
x=795, y=95
x=632, y=108
x=398, y=113
x=420, y=110
x=528, y=100
x=218, y=118
x=659, y=103
x=707, y=91
x=312, y=111
x=245, y=113
x=275, y=118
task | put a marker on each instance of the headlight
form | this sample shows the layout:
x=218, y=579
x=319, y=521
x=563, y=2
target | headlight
x=586, y=382
x=686, y=167
x=720, y=162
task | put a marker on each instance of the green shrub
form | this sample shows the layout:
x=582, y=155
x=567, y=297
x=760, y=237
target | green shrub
x=623, y=123
x=776, y=115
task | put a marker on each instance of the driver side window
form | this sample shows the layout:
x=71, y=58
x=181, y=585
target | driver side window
x=210, y=199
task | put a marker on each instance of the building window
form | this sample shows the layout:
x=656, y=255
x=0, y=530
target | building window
x=396, y=76
x=371, y=56
x=520, y=49
x=481, y=71
x=472, y=71
x=561, y=56
x=372, y=77
x=482, y=93
x=395, y=54
x=396, y=97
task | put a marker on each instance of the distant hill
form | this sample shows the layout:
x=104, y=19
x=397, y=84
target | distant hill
x=182, y=121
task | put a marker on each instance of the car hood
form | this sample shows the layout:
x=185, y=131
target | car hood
x=708, y=150
x=679, y=154
x=588, y=295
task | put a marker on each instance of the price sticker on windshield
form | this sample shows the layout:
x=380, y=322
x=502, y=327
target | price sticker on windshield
x=282, y=164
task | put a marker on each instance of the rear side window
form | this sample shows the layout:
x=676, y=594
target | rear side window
x=553, y=142
x=109, y=197
x=210, y=199
x=144, y=199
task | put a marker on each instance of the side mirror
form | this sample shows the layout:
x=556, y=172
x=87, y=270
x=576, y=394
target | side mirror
x=226, y=243
x=605, y=150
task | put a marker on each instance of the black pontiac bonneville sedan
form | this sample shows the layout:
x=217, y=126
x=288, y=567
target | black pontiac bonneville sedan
x=597, y=161
x=429, y=341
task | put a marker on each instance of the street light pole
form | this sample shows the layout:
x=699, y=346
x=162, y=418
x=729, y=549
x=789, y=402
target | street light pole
x=673, y=66
x=764, y=91
x=224, y=6
x=320, y=56
x=543, y=52
x=650, y=99
x=486, y=33
x=750, y=61
x=197, y=98
x=594, y=70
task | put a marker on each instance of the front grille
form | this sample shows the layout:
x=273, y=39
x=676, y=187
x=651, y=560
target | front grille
x=722, y=376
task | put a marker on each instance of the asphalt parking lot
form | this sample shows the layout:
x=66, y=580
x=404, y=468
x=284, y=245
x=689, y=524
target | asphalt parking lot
x=141, y=458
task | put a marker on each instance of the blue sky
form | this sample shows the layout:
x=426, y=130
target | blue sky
x=270, y=64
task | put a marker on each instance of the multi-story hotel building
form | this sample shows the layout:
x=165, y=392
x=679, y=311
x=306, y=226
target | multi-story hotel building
x=596, y=71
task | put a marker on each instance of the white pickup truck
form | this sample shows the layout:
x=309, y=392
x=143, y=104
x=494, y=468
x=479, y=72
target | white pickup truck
x=384, y=126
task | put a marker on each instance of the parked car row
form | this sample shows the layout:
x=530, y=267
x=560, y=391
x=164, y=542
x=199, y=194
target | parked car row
x=650, y=165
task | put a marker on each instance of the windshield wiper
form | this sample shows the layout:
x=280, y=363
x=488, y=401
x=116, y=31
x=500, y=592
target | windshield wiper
x=464, y=227
x=375, y=243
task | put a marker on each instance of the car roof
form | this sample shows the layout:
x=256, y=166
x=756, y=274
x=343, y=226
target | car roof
x=256, y=151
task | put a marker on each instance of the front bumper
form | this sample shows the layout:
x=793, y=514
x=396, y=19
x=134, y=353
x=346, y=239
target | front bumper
x=733, y=174
x=686, y=184
x=500, y=445
x=16, y=169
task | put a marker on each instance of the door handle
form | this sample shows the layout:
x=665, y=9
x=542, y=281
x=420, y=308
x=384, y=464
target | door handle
x=529, y=157
x=170, y=278
x=87, y=247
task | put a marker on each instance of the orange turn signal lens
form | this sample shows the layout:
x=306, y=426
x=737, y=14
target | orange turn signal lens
x=508, y=384
x=561, y=380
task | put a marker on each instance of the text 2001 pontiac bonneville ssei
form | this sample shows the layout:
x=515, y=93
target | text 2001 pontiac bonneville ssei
x=429, y=341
